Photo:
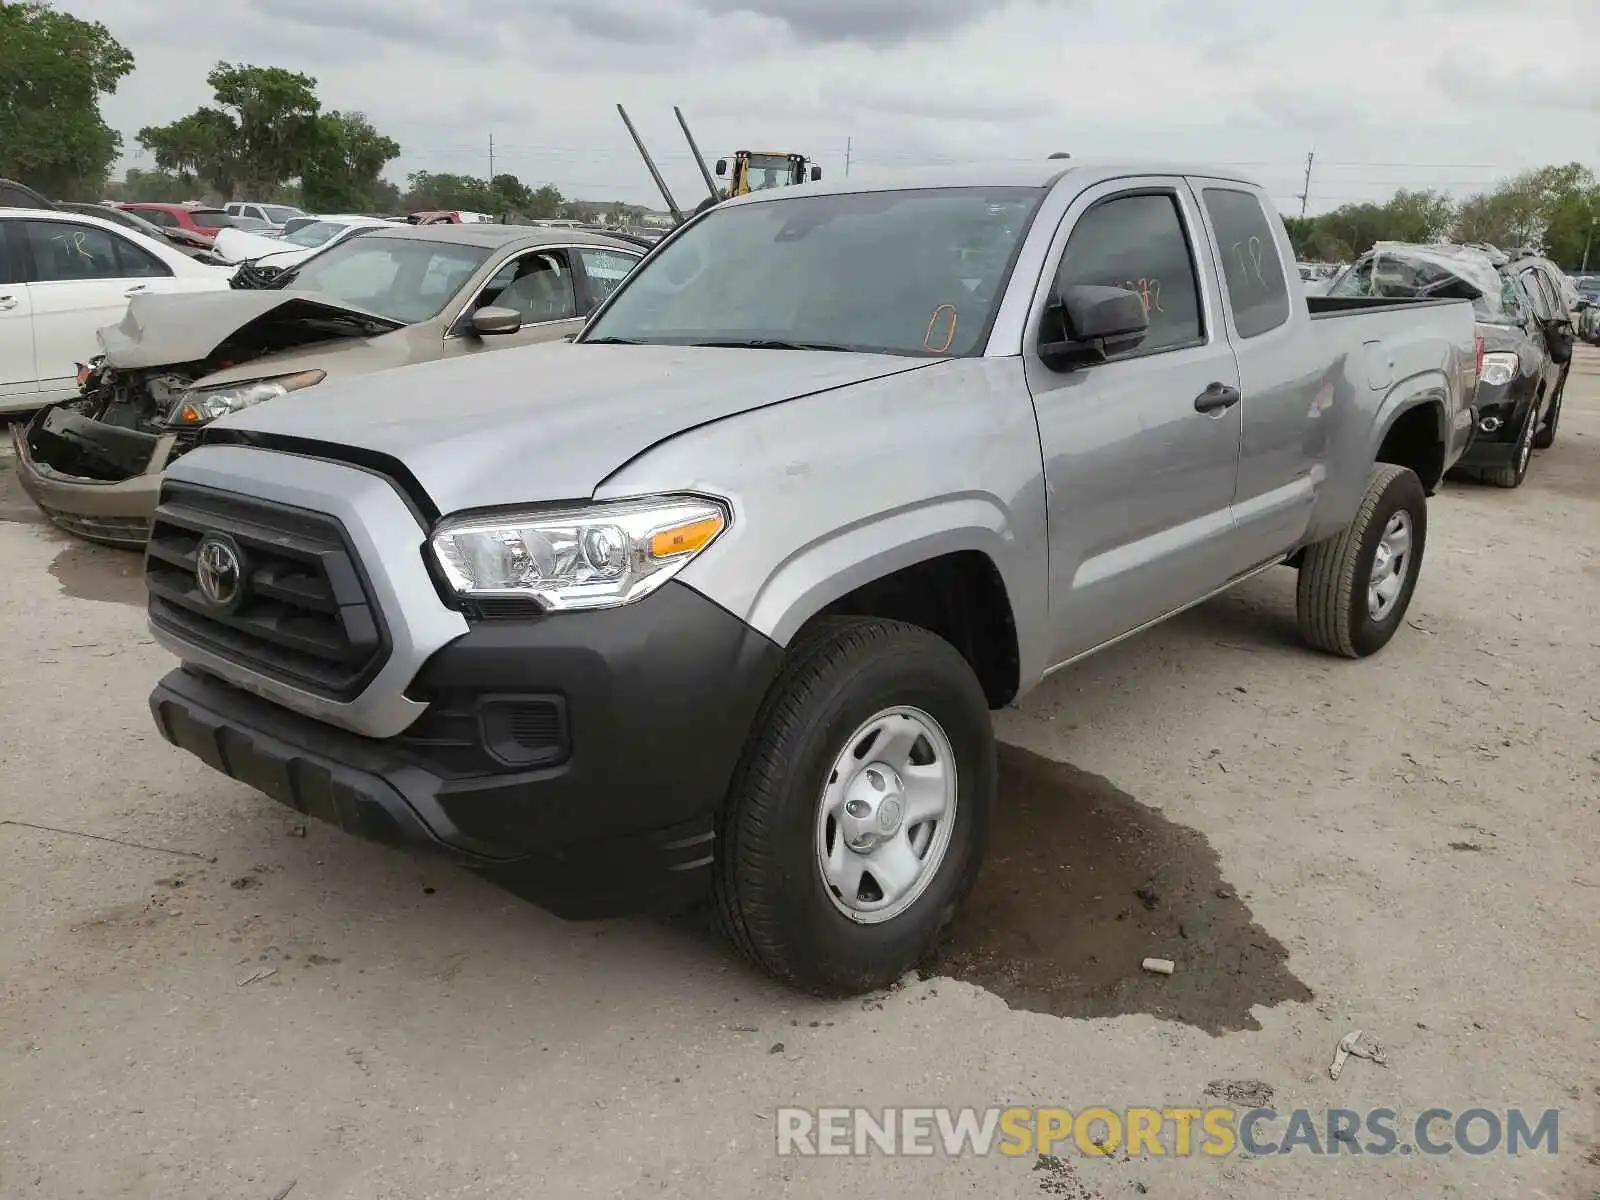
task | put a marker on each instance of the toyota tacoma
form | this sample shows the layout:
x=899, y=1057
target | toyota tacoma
x=713, y=602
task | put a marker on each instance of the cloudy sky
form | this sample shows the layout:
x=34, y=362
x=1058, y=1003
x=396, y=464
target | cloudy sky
x=1448, y=94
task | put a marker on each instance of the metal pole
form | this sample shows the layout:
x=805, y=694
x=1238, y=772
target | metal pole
x=491, y=158
x=705, y=171
x=1305, y=196
x=672, y=205
x=847, y=144
x=1587, y=242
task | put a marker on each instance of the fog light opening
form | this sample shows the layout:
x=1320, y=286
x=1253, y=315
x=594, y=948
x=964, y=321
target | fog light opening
x=1490, y=424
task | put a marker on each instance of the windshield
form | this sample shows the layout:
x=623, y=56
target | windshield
x=313, y=234
x=407, y=280
x=1399, y=275
x=279, y=213
x=211, y=219
x=894, y=272
x=769, y=171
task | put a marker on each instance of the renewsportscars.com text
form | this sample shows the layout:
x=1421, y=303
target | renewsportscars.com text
x=1157, y=1132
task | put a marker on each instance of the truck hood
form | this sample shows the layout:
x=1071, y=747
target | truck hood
x=547, y=422
x=166, y=329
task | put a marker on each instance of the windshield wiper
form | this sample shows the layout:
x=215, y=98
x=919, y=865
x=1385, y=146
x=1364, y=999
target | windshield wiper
x=769, y=344
x=612, y=341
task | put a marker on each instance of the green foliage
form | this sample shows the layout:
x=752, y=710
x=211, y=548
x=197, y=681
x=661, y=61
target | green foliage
x=504, y=195
x=1553, y=208
x=263, y=130
x=151, y=187
x=341, y=172
x=53, y=70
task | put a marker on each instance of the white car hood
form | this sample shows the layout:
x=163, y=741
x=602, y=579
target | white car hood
x=236, y=245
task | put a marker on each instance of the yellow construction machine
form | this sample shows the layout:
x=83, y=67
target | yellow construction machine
x=752, y=170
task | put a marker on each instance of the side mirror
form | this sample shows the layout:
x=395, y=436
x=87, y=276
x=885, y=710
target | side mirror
x=1583, y=303
x=816, y=174
x=491, y=319
x=1097, y=323
x=722, y=167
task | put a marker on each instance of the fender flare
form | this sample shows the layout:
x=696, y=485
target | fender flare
x=834, y=565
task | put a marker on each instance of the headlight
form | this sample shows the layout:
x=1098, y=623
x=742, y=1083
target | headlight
x=200, y=406
x=598, y=556
x=1498, y=369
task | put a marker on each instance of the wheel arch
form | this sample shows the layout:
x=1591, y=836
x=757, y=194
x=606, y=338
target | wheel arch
x=938, y=567
x=1413, y=428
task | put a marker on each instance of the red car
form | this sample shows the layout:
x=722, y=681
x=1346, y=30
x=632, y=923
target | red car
x=203, y=222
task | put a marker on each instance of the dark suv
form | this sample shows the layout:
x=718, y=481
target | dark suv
x=1524, y=327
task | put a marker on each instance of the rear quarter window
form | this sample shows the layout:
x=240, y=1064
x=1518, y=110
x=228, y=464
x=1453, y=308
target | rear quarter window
x=1258, y=294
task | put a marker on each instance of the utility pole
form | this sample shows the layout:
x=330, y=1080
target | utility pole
x=1305, y=195
x=491, y=157
x=1587, y=243
x=847, y=143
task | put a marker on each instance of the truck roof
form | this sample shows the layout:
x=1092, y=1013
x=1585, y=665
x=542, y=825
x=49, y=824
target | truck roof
x=1041, y=174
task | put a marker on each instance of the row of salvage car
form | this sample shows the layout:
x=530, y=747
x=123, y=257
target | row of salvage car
x=182, y=356
x=1528, y=316
x=196, y=342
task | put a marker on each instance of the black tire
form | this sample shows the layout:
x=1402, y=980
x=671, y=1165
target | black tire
x=770, y=898
x=1512, y=474
x=1331, y=599
x=1546, y=437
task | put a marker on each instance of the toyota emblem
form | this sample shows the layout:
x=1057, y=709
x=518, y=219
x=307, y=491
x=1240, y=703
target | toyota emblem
x=219, y=571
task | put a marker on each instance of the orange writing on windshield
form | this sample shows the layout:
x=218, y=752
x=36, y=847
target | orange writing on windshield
x=948, y=312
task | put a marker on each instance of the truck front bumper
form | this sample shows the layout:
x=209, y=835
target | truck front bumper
x=579, y=760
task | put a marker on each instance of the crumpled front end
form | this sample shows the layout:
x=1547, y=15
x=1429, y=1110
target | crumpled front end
x=94, y=465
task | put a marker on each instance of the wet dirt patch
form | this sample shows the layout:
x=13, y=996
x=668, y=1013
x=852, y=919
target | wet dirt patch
x=90, y=572
x=1083, y=883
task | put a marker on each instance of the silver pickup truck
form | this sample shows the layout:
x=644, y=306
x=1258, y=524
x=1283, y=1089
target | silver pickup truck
x=714, y=601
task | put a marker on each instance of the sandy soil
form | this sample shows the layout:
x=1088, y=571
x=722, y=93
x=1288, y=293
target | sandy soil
x=1406, y=845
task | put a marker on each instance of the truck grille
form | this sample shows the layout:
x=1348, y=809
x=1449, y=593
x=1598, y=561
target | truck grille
x=304, y=616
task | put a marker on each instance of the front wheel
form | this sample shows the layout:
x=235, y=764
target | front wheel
x=859, y=814
x=1546, y=437
x=1514, y=472
x=1355, y=587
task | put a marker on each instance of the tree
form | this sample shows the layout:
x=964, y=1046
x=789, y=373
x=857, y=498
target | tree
x=53, y=70
x=154, y=187
x=341, y=172
x=501, y=196
x=263, y=131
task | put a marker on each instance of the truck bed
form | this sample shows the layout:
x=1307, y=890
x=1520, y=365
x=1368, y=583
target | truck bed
x=1340, y=306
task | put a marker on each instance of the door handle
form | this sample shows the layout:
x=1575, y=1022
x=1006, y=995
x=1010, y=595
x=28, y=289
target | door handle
x=7, y=302
x=136, y=289
x=1216, y=398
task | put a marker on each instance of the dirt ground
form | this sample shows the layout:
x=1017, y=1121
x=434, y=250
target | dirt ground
x=1408, y=845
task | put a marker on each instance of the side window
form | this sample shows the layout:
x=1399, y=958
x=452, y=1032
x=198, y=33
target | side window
x=6, y=274
x=135, y=262
x=66, y=252
x=1258, y=296
x=1138, y=243
x=1537, y=296
x=1552, y=287
x=537, y=285
x=606, y=269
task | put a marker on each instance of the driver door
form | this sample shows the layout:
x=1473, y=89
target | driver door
x=540, y=285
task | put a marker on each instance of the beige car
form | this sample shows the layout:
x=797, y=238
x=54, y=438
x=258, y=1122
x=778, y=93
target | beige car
x=390, y=297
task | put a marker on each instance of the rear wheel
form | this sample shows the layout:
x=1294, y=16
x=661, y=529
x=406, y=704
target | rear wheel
x=858, y=817
x=1355, y=587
